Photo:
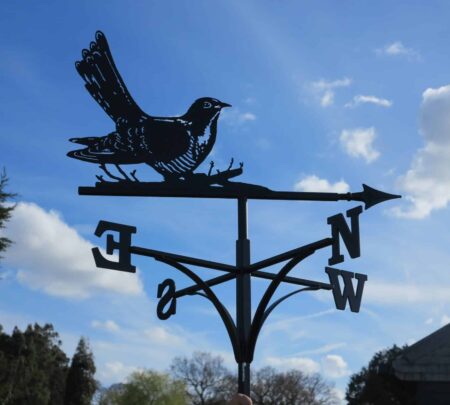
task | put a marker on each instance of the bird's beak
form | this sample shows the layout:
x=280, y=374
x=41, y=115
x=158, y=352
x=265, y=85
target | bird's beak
x=222, y=105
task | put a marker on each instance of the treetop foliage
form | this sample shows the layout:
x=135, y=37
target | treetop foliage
x=32, y=366
x=34, y=369
x=146, y=387
x=80, y=383
x=377, y=384
x=5, y=209
x=203, y=379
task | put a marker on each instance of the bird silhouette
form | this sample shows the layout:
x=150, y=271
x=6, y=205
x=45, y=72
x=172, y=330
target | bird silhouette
x=173, y=146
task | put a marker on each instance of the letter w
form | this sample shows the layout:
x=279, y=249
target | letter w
x=348, y=294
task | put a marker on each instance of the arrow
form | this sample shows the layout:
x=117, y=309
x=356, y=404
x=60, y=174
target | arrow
x=369, y=196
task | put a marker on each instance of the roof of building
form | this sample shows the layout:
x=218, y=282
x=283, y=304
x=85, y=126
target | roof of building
x=426, y=360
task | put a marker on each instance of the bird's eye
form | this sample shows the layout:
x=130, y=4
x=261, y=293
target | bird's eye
x=207, y=104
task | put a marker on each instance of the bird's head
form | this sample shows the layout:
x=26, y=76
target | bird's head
x=205, y=107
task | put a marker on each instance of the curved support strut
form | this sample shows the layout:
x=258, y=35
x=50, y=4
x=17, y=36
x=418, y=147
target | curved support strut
x=262, y=312
x=269, y=310
x=223, y=312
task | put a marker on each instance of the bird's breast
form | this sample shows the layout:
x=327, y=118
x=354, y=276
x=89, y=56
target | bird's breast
x=177, y=146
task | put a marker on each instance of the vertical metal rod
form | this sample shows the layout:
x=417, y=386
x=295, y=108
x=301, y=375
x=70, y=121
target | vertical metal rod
x=243, y=297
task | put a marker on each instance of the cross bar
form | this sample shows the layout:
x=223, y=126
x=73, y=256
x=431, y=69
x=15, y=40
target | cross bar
x=258, y=274
x=157, y=254
x=252, y=269
x=283, y=256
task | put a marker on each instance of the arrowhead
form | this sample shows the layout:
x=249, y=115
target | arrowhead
x=372, y=196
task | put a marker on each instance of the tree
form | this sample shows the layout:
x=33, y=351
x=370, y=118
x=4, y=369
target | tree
x=376, y=384
x=109, y=396
x=80, y=383
x=292, y=387
x=208, y=381
x=5, y=210
x=32, y=367
x=145, y=388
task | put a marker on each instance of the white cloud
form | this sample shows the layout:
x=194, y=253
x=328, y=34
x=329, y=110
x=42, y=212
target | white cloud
x=144, y=341
x=398, y=49
x=361, y=99
x=314, y=183
x=109, y=325
x=236, y=117
x=427, y=182
x=334, y=366
x=339, y=394
x=358, y=142
x=327, y=98
x=323, y=349
x=429, y=321
x=51, y=256
x=399, y=294
x=325, y=89
x=445, y=320
x=304, y=364
x=116, y=371
x=290, y=325
x=161, y=336
x=248, y=116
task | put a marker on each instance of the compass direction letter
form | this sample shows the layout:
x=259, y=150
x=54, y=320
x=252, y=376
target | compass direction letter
x=166, y=293
x=350, y=237
x=348, y=293
x=123, y=246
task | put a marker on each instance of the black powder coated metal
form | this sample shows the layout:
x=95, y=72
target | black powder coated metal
x=175, y=147
x=244, y=331
x=231, y=190
x=243, y=298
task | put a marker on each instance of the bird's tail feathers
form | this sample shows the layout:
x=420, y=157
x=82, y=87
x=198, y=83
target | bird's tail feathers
x=83, y=154
x=85, y=141
x=104, y=82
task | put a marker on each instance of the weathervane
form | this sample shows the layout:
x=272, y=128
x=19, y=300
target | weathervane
x=175, y=147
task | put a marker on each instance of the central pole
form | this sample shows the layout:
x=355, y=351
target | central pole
x=243, y=298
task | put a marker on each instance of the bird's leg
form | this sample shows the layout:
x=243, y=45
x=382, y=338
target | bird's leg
x=122, y=172
x=133, y=174
x=231, y=164
x=211, y=165
x=103, y=167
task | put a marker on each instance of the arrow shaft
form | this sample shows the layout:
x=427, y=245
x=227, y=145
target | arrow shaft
x=156, y=190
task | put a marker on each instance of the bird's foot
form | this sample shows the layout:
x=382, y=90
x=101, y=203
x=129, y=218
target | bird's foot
x=211, y=165
x=231, y=164
x=108, y=173
x=125, y=177
x=133, y=174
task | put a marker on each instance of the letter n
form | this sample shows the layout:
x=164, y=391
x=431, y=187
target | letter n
x=350, y=237
x=348, y=293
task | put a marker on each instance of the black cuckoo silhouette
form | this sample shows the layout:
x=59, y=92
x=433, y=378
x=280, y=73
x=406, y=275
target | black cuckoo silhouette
x=173, y=146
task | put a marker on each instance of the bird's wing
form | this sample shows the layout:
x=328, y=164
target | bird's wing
x=104, y=82
x=166, y=138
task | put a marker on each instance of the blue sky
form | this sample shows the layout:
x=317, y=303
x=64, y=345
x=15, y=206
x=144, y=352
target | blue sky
x=325, y=97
